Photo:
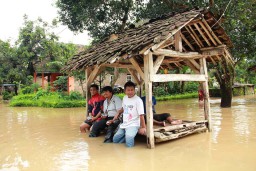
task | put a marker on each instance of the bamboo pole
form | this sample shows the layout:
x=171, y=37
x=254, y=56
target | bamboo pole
x=87, y=74
x=203, y=70
x=148, y=71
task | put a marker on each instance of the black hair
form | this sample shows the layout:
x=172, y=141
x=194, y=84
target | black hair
x=107, y=88
x=95, y=86
x=129, y=84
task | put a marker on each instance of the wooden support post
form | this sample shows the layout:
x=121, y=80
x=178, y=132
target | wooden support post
x=42, y=80
x=35, y=77
x=178, y=42
x=148, y=71
x=87, y=74
x=203, y=70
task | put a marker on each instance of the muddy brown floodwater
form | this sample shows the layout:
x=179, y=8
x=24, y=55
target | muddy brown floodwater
x=49, y=139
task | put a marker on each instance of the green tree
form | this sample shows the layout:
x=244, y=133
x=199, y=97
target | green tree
x=11, y=69
x=38, y=47
x=101, y=18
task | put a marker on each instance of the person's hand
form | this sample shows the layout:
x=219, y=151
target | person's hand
x=103, y=117
x=142, y=131
x=109, y=122
x=93, y=118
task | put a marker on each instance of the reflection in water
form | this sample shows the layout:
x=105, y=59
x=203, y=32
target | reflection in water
x=49, y=139
x=73, y=157
x=15, y=164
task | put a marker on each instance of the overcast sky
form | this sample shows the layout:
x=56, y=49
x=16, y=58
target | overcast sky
x=11, y=19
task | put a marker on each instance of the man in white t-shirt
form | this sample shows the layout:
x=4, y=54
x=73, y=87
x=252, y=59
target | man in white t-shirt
x=133, y=117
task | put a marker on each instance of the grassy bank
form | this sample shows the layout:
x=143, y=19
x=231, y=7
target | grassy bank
x=177, y=96
x=60, y=100
x=48, y=99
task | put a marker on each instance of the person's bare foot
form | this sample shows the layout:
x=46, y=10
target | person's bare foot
x=176, y=122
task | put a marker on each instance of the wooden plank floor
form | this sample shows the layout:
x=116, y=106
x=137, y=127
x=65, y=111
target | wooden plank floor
x=170, y=132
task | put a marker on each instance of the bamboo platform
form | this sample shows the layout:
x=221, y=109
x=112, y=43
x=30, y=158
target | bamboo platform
x=171, y=132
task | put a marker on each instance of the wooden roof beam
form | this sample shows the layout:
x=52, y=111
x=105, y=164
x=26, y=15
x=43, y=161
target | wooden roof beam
x=176, y=54
x=157, y=63
x=191, y=34
x=192, y=67
x=213, y=61
x=187, y=42
x=195, y=35
x=208, y=33
x=197, y=66
x=169, y=36
x=178, y=41
x=202, y=34
x=212, y=51
x=229, y=56
x=137, y=67
x=211, y=31
x=93, y=74
x=178, y=77
x=133, y=74
x=118, y=65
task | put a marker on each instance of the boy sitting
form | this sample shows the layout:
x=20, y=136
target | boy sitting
x=95, y=106
x=133, y=117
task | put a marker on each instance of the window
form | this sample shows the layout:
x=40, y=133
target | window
x=128, y=78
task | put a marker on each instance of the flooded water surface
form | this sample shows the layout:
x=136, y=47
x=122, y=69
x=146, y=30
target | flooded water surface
x=49, y=139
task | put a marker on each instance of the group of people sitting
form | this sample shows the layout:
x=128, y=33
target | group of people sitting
x=127, y=116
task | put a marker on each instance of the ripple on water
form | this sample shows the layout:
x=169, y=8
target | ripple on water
x=74, y=157
x=17, y=163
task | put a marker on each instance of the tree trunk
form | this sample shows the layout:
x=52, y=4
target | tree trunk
x=225, y=75
x=226, y=96
x=30, y=69
x=211, y=3
x=182, y=86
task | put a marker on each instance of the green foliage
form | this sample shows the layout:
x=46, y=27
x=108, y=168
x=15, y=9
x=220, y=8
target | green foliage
x=177, y=96
x=7, y=95
x=30, y=89
x=121, y=95
x=11, y=69
x=159, y=91
x=74, y=95
x=37, y=48
x=191, y=87
x=43, y=98
x=61, y=84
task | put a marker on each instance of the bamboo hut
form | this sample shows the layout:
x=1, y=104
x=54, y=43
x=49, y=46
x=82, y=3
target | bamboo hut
x=191, y=38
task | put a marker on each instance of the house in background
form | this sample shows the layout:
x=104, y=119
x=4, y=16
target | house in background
x=46, y=78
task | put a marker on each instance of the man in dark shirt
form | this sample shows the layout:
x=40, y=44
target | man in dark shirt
x=95, y=106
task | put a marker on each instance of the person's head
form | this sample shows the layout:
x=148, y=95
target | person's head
x=129, y=89
x=94, y=89
x=107, y=92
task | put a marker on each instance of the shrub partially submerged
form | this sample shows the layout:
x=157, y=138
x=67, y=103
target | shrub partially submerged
x=43, y=98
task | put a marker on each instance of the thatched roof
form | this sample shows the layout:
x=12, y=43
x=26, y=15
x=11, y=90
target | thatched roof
x=131, y=42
